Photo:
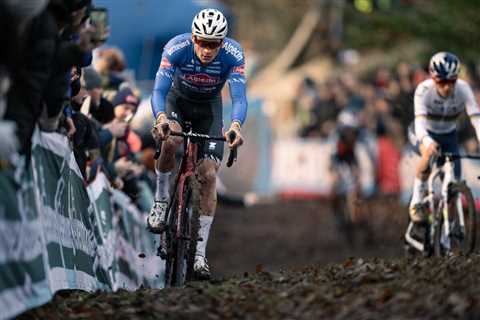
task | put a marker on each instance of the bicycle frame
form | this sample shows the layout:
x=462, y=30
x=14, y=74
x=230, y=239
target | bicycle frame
x=445, y=174
x=448, y=179
x=172, y=240
x=186, y=169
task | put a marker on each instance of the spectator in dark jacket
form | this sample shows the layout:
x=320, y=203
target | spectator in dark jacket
x=31, y=76
x=100, y=108
x=70, y=16
x=15, y=18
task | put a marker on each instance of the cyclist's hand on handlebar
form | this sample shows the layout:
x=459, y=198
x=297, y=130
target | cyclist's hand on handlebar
x=161, y=129
x=233, y=135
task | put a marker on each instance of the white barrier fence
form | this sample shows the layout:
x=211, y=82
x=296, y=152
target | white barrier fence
x=56, y=234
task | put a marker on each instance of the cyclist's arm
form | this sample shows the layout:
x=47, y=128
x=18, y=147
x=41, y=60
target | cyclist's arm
x=163, y=82
x=237, y=85
x=421, y=121
x=473, y=110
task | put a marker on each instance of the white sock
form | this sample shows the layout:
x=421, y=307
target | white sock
x=162, y=191
x=203, y=232
x=419, y=188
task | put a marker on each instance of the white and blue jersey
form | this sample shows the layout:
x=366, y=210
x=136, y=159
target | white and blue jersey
x=181, y=70
x=435, y=114
x=436, y=117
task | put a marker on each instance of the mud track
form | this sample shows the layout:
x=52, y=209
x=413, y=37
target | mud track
x=288, y=261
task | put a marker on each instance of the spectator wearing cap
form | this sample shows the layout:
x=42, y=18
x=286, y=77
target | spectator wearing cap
x=125, y=105
x=100, y=108
x=126, y=164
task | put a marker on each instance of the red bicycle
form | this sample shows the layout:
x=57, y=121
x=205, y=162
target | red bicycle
x=179, y=241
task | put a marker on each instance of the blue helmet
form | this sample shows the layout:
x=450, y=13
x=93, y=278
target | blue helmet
x=444, y=66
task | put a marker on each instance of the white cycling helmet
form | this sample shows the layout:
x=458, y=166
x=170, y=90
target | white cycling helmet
x=348, y=119
x=444, y=66
x=210, y=24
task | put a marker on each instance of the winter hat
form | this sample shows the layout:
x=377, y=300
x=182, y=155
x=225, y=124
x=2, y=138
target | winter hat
x=125, y=96
x=91, y=79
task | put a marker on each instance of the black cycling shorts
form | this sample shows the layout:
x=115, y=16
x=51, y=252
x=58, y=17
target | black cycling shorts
x=205, y=116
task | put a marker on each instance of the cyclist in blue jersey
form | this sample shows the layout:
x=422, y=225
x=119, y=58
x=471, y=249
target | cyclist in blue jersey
x=194, y=68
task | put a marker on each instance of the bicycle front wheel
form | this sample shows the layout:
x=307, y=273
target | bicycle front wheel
x=462, y=220
x=187, y=231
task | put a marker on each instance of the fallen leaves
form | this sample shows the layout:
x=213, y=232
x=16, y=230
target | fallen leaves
x=358, y=288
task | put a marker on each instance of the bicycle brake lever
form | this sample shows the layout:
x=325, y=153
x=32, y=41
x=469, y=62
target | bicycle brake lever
x=232, y=157
x=232, y=135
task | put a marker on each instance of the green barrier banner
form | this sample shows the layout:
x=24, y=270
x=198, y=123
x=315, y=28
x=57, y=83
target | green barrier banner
x=56, y=233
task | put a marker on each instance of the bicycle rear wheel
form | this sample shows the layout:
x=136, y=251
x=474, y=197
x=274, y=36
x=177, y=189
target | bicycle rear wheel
x=463, y=238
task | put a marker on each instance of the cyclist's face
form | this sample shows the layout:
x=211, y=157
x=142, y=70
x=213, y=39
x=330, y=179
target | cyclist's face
x=206, y=50
x=445, y=87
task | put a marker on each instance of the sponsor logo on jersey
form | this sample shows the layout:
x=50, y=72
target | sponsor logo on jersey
x=165, y=63
x=178, y=46
x=233, y=50
x=201, y=79
x=239, y=69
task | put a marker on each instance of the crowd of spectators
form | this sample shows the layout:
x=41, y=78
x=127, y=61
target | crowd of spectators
x=383, y=103
x=56, y=76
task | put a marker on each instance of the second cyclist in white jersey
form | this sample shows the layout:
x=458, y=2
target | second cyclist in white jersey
x=438, y=102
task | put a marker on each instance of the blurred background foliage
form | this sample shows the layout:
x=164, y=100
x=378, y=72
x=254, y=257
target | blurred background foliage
x=365, y=24
x=441, y=24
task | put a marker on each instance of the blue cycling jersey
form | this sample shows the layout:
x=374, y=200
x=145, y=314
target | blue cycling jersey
x=182, y=70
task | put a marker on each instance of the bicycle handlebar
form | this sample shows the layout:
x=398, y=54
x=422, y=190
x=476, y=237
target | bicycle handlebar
x=232, y=157
x=460, y=156
x=196, y=136
x=452, y=156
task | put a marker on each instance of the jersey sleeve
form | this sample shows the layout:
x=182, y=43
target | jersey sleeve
x=420, y=111
x=163, y=79
x=237, y=84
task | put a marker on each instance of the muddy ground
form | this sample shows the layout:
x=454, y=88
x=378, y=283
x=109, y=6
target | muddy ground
x=288, y=261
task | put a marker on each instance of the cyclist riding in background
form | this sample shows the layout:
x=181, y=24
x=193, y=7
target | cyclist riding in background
x=192, y=72
x=437, y=104
x=345, y=172
x=346, y=139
